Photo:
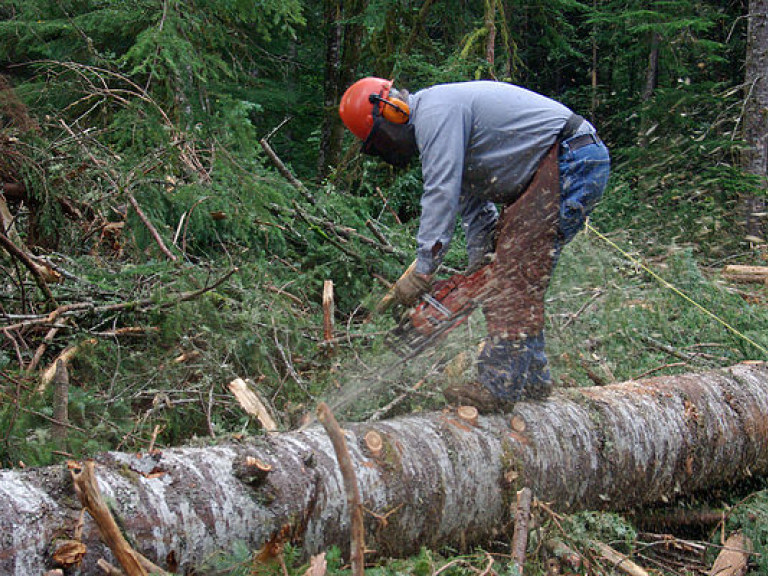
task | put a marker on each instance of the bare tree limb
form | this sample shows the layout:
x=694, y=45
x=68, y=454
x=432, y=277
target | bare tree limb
x=41, y=349
x=149, y=226
x=90, y=307
x=520, y=534
x=92, y=500
x=357, y=550
x=283, y=169
x=33, y=268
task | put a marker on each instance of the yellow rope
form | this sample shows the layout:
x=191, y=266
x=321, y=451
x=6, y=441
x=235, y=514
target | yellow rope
x=674, y=289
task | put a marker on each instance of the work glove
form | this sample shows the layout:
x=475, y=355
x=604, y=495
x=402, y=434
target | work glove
x=411, y=286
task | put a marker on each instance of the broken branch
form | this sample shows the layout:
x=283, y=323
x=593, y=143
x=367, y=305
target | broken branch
x=619, y=560
x=252, y=404
x=33, y=268
x=150, y=227
x=89, y=307
x=90, y=496
x=332, y=428
x=64, y=358
x=295, y=182
x=520, y=534
x=328, y=306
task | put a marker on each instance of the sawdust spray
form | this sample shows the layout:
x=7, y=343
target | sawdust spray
x=405, y=374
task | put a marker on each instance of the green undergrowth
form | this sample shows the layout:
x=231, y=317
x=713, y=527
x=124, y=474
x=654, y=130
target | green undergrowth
x=615, y=314
x=558, y=544
x=426, y=563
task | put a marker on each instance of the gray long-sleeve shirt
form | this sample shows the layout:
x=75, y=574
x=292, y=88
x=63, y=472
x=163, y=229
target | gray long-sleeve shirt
x=479, y=143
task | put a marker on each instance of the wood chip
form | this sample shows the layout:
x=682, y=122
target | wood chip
x=69, y=552
x=252, y=404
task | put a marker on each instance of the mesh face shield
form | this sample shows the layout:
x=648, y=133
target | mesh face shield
x=393, y=143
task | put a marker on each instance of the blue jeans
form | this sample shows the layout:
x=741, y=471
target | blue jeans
x=583, y=177
x=510, y=369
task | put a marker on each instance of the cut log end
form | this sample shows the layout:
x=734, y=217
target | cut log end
x=374, y=443
x=468, y=414
x=518, y=424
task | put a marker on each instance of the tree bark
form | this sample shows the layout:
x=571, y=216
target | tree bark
x=436, y=480
x=652, y=71
x=490, y=41
x=330, y=135
x=343, y=42
x=755, y=156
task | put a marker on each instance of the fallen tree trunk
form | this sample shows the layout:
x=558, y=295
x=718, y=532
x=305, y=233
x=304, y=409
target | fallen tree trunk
x=435, y=479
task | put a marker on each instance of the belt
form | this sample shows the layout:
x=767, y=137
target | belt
x=580, y=141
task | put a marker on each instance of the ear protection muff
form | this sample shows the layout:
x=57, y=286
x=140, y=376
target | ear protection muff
x=393, y=110
x=396, y=111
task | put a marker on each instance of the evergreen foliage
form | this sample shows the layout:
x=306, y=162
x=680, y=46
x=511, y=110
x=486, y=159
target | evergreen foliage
x=163, y=104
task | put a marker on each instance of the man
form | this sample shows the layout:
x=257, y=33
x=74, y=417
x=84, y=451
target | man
x=481, y=144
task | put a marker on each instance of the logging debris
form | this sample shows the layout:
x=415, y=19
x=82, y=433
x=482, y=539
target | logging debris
x=328, y=316
x=618, y=560
x=253, y=405
x=351, y=489
x=87, y=489
x=733, y=559
x=522, y=515
x=746, y=274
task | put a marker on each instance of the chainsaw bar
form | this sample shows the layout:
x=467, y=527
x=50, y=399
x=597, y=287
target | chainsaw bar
x=408, y=341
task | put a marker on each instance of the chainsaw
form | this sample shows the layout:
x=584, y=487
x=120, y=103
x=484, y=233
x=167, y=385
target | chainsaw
x=447, y=306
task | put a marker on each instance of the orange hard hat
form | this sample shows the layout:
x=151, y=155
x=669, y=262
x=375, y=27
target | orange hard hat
x=361, y=102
